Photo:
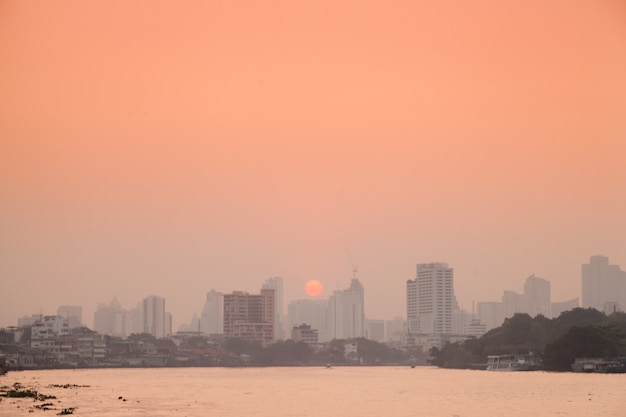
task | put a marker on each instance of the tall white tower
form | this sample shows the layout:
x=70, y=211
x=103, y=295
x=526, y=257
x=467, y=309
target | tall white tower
x=430, y=299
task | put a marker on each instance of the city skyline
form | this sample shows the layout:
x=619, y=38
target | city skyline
x=151, y=148
x=537, y=302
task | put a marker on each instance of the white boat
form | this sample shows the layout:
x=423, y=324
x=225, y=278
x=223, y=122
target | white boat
x=513, y=362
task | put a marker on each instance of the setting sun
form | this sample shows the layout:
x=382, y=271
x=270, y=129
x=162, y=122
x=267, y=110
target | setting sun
x=314, y=288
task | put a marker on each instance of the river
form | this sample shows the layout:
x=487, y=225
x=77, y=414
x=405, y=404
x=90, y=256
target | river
x=318, y=391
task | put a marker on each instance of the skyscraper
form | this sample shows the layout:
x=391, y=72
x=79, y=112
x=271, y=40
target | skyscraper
x=430, y=299
x=276, y=284
x=212, y=317
x=311, y=312
x=537, y=296
x=155, y=319
x=603, y=283
x=346, y=312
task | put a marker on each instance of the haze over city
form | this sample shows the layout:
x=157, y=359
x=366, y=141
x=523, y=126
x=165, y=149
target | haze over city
x=171, y=148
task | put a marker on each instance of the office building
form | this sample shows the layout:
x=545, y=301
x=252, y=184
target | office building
x=250, y=316
x=156, y=321
x=310, y=312
x=537, y=297
x=346, y=312
x=603, y=283
x=430, y=299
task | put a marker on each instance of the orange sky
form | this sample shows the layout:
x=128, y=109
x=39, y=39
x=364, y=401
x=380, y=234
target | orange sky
x=168, y=148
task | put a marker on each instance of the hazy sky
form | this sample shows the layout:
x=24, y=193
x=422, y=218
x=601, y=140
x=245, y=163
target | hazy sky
x=167, y=148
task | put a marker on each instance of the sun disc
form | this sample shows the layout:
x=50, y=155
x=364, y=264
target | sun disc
x=314, y=288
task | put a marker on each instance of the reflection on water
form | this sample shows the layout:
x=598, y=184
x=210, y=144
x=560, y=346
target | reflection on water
x=313, y=391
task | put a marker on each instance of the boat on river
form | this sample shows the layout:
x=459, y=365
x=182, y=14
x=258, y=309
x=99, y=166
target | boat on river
x=513, y=362
x=600, y=365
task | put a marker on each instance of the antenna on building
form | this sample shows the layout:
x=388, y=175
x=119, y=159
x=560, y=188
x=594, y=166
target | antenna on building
x=355, y=268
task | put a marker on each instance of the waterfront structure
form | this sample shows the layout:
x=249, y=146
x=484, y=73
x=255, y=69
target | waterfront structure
x=276, y=284
x=250, y=316
x=513, y=362
x=346, y=312
x=212, y=317
x=603, y=283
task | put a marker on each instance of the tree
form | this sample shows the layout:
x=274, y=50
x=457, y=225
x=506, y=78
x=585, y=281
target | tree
x=580, y=342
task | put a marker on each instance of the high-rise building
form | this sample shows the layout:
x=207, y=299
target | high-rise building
x=346, y=312
x=250, y=316
x=430, y=299
x=491, y=313
x=395, y=330
x=310, y=312
x=104, y=319
x=276, y=284
x=212, y=317
x=375, y=330
x=155, y=320
x=537, y=296
x=412, y=317
x=603, y=283
x=73, y=315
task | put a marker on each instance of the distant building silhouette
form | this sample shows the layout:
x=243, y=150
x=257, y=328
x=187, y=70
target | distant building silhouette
x=346, y=312
x=491, y=313
x=603, y=283
x=310, y=312
x=535, y=300
x=212, y=317
x=375, y=330
x=156, y=321
x=537, y=296
x=557, y=308
x=73, y=314
x=395, y=330
x=109, y=319
x=276, y=284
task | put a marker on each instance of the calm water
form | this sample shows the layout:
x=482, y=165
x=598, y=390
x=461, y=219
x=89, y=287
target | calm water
x=317, y=391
